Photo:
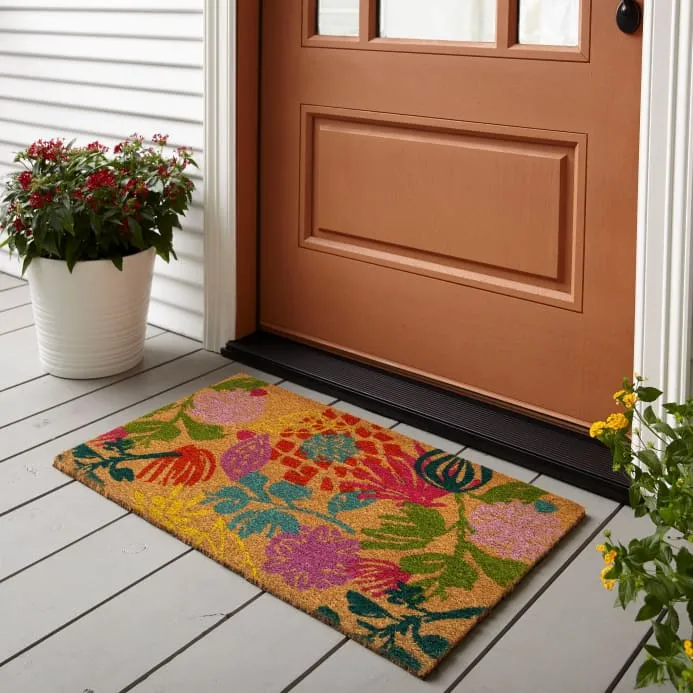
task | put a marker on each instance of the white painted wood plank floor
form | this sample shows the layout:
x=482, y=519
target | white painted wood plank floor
x=95, y=600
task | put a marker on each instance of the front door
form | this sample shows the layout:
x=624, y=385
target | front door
x=448, y=190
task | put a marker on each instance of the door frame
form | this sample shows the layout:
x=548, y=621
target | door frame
x=664, y=296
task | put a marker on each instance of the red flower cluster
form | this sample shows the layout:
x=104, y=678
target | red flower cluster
x=160, y=139
x=49, y=150
x=18, y=224
x=37, y=200
x=25, y=179
x=97, y=147
x=101, y=179
x=136, y=186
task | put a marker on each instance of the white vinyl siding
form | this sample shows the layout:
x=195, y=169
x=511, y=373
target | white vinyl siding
x=103, y=69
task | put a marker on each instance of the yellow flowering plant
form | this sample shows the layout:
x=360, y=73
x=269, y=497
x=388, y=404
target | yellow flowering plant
x=657, y=455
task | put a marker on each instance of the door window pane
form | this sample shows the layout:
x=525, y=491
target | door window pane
x=439, y=20
x=549, y=22
x=337, y=17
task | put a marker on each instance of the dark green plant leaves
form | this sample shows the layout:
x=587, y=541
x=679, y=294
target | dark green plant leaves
x=361, y=605
x=651, y=609
x=648, y=394
x=121, y=473
x=328, y=615
x=649, y=673
x=433, y=645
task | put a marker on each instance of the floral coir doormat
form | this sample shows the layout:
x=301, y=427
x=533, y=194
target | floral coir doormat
x=400, y=546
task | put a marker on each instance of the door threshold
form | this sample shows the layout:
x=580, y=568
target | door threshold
x=545, y=448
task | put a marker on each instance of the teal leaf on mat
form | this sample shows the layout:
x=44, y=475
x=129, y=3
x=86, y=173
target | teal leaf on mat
x=343, y=502
x=273, y=521
x=328, y=615
x=235, y=499
x=363, y=606
x=433, y=645
x=403, y=657
x=289, y=492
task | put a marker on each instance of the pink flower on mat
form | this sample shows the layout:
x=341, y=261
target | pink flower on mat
x=514, y=530
x=113, y=436
x=392, y=477
x=377, y=577
x=249, y=455
x=317, y=557
x=227, y=407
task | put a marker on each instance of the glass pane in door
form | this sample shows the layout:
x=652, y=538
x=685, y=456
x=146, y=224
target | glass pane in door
x=549, y=22
x=439, y=20
x=337, y=17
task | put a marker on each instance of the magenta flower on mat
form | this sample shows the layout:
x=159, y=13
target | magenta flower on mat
x=514, y=530
x=247, y=456
x=227, y=407
x=112, y=436
x=394, y=478
x=378, y=577
x=317, y=557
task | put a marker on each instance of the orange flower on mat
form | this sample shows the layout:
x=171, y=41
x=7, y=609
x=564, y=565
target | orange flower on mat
x=189, y=466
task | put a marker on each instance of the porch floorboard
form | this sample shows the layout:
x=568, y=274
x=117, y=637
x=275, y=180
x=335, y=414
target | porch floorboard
x=92, y=598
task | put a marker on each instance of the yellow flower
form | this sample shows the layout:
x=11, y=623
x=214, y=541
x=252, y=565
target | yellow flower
x=597, y=428
x=616, y=422
x=688, y=648
x=610, y=557
x=601, y=548
x=607, y=582
x=627, y=399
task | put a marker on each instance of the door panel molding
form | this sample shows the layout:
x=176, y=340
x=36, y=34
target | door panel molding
x=346, y=154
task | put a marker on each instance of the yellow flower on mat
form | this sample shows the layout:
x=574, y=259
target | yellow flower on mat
x=616, y=422
x=597, y=428
x=601, y=548
x=607, y=582
x=688, y=648
x=610, y=557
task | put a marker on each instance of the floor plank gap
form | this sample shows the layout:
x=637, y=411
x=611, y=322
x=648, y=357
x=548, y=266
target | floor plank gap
x=65, y=546
x=199, y=637
x=312, y=668
x=93, y=608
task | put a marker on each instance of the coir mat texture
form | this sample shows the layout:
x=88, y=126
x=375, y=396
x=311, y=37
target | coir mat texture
x=400, y=546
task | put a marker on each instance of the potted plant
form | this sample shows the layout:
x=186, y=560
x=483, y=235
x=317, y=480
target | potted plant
x=657, y=455
x=88, y=227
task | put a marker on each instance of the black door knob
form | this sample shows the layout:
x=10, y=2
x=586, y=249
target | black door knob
x=629, y=16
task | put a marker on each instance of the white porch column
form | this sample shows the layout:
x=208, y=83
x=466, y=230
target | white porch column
x=665, y=199
x=220, y=172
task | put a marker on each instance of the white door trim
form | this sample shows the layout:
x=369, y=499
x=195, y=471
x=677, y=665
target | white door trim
x=665, y=199
x=220, y=172
x=665, y=195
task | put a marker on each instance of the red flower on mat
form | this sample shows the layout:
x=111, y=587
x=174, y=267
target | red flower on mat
x=191, y=465
x=290, y=451
x=392, y=477
x=378, y=577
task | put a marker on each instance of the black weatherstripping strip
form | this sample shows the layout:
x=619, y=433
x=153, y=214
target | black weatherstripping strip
x=547, y=449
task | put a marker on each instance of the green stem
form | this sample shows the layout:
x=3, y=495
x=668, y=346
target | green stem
x=462, y=526
x=327, y=518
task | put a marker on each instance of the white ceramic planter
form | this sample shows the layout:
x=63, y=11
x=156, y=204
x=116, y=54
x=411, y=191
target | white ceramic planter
x=91, y=323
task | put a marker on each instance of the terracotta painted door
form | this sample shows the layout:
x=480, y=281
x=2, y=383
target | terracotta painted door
x=449, y=190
